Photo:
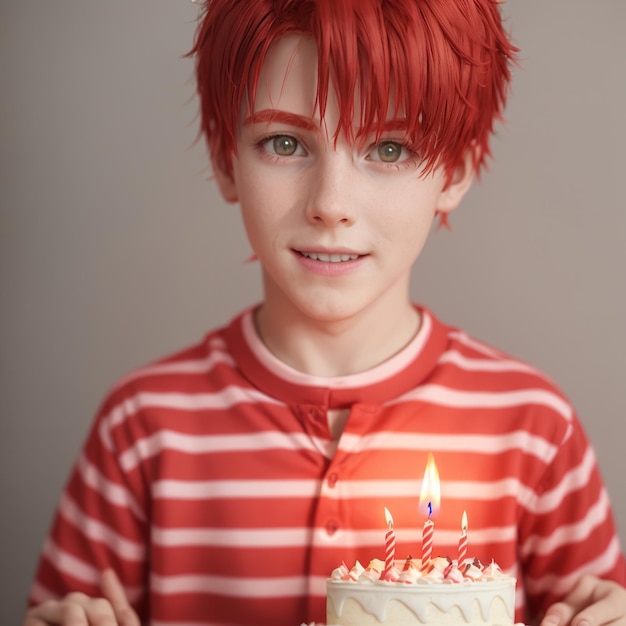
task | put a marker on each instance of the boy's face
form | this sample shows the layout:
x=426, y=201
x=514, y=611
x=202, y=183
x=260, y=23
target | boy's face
x=336, y=227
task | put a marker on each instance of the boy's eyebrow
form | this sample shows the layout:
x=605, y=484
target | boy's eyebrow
x=267, y=116
x=274, y=115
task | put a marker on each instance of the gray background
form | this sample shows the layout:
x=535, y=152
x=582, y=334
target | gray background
x=115, y=248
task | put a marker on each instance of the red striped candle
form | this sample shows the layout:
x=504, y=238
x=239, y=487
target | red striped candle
x=430, y=496
x=427, y=540
x=463, y=540
x=390, y=541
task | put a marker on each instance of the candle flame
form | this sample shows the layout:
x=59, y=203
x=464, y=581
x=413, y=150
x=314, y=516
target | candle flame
x=464, y=522
x=430, y=495
x=388, y=518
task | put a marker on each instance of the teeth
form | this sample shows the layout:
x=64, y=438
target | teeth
x=330, y=258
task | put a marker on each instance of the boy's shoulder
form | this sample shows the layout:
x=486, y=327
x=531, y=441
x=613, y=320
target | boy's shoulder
x=475, y=366
x=182, y=370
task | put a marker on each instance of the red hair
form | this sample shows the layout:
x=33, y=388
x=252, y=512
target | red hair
x=446, y=63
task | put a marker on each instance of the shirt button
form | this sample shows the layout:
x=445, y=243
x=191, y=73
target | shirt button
x=332, y=526
x=332, y=480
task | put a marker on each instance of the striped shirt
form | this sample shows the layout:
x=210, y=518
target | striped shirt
x=210, y=481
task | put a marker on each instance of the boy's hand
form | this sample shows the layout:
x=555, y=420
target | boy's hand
x=592, y=602
x=77, y=609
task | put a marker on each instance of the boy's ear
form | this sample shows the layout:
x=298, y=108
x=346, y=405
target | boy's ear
x=225, y=180
x=458, y=184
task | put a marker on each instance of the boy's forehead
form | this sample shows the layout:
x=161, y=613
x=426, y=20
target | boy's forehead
x=288, y=78
x=288, y=82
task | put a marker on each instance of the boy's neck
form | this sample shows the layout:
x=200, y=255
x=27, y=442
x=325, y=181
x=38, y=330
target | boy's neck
x=339, y=348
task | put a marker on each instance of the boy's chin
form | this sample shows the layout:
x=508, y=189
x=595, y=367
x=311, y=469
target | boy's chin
x=325, y=313
x=339, y=312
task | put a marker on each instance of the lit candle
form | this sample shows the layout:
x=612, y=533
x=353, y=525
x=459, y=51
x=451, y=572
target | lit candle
x=463, y=540
x=390, y=541
x=427, y=539
x=430, y=497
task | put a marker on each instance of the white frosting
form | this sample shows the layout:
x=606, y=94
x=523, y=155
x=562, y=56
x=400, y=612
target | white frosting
x=483, y=602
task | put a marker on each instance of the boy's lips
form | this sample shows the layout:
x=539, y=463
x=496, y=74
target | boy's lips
x=330, y=256
x=330, y=262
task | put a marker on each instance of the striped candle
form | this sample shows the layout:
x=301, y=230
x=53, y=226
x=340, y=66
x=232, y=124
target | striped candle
x=427, y=539
x=463, y=540
x=430, y=497
x=390, y=541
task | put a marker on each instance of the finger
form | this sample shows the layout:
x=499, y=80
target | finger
x=75, y=609
x=591, y=601
x=607, y=604
x=559, y=614
x=113, y=591
x=53, y=612
x=32, y=618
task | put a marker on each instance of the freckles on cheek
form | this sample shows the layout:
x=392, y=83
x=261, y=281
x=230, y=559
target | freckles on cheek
x=408, y=217
x=265, y=187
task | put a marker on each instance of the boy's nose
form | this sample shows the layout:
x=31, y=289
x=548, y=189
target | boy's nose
x=330, y=201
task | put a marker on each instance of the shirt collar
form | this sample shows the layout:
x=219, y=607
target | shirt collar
x=397, y=375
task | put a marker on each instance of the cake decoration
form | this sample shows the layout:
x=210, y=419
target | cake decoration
x=439, y=594
x=430, y=591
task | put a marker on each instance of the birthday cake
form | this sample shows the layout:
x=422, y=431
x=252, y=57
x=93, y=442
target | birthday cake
x=441, y=594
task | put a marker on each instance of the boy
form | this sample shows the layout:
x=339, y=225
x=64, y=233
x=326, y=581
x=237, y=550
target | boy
x=223, y=484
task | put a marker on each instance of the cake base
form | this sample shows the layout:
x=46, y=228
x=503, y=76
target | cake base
x=442, y=604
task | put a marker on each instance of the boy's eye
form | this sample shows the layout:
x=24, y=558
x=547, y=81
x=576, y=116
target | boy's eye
x=389, y=152
x=283, y=145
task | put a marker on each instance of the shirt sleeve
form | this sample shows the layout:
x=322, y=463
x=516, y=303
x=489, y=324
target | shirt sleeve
x=101, y=520
x=567, y=529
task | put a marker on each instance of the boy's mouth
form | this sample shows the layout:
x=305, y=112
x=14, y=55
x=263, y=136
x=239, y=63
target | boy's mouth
x=325, y=257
